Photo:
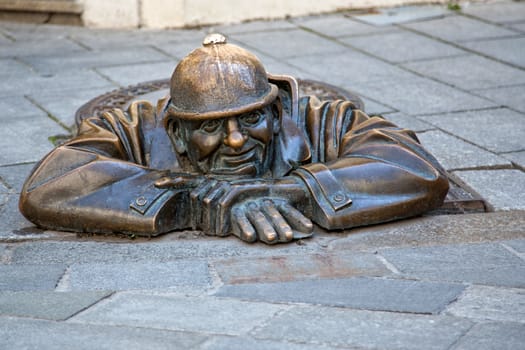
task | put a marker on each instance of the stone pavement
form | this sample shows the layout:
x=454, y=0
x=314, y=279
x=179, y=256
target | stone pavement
x=433, y=282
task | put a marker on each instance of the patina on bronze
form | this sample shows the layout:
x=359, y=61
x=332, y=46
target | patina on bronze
x=232, y=149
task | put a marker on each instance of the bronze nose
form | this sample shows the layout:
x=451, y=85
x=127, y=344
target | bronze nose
x=234, y=137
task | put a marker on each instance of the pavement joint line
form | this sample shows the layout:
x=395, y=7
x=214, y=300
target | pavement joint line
x=103, y=76
x=456, y=342
x=79, y=43
x=430, y=59
x=513, y=251
x=48, y=113
x=216, y=281
x=63, y=283
x=267, y=321
x=89, y=306
x=485, y=167
x=458, y=46
x=484, y=20
x=7, y=257
x=388, y=264
x=165, y=53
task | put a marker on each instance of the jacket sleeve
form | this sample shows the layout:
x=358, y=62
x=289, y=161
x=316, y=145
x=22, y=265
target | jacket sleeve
x=364, y=169
x=99, y=181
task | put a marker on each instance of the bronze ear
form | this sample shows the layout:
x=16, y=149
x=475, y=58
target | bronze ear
x=175, y=132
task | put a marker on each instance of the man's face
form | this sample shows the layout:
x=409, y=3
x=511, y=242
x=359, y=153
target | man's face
x=238, y=145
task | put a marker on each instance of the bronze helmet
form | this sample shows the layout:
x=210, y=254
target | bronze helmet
x=218, y=80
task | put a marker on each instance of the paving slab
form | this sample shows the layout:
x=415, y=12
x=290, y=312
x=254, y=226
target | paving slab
x=193, y=314
x=168, y=248
x=503, y=189
x=402, y=46
x=364, y=329
x=252, y=26
x=509, y=50
x=13, y=69
x=454, y=153
x=459, y=28
x=14, y=176
x=490, y=303
x=13, y=226
x=16, y=107
x=337, y=25
x=403, y=14
x=485, y=263
x=174, y=275
x=178, y=50
x=43, y=47
x=497, y=12
x=101, y=39
x=367, y=293
x=509, y=96
x=27, y=142
x=30, y=277
x=296, y=267
x=20, y=333
x=506, y=137
x=374, y=108
x=518, y=245
x=469, y=72
x=520, y=27
x=131, y=74
x=289, y=43
x=434, y=230
x=94, y=59
x=63, y=105
x=243, y=343
x=349, y=69
x=46, y=304
x=496, y=336
x=414, y=95
x=405, y=121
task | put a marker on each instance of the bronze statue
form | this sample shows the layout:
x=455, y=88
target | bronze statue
x=232, y=149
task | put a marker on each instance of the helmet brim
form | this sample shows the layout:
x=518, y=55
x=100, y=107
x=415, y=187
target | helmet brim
x=192, y=115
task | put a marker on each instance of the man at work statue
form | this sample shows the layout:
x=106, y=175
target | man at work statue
x=232, y=150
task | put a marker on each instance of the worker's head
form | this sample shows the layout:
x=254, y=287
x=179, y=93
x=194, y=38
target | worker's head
x=223, y=112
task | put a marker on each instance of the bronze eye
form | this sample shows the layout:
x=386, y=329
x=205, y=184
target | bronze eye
x=211, y=126
x=251, y=119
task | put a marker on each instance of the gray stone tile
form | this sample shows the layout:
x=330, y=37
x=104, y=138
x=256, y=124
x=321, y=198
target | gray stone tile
x=11, y=69
x=499, y=12
x=30, y=277
x=517, y=244
x=137, y=73
x=506, y=135
x=15, y=107
x=179, y=49
x=41, y=48
x=56, y=82
x=364, y=329
x=373, y=108
x=100, y=39
x=63, y=105
x=459, y=28
x=495, y=336
x=485, y=263
x=17, y=333
x=402, y=46
x=454, y=153
x=243, y=343
x=94, y=59
x=503, y=189
x=206, y=314
x=37, y=32
x=289, y=43
x=403, y=14
x=47, y=305
x=297, y=267
x=167, y=248
x=14, y=176
x=510, y=96
x=517, y=26
x=490, y=303
x=469, y=72
x=414, y=95
x=13, y=226
x=252, y=26
x=23, y=142
x=351, y=68
x=175, y=275
x=508, y=50
x=337, y=25
x=404, y=121
x=357, y=293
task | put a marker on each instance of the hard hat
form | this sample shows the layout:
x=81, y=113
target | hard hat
x=219, y=80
